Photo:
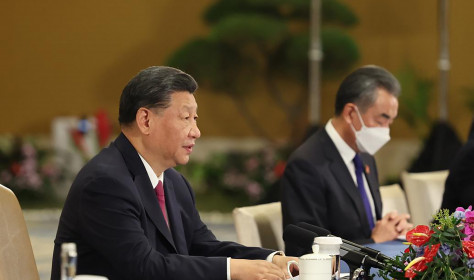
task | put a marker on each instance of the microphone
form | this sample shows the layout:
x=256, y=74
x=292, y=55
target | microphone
x=300, y=237
x=357, y=259
x=304, y=239
x=324, y=232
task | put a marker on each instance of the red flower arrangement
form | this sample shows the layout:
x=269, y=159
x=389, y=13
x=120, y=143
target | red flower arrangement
x=28, y=168
x=443, y=251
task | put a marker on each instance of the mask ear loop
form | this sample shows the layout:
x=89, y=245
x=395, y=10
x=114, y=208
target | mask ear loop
x=360, y=117
x=360, y=120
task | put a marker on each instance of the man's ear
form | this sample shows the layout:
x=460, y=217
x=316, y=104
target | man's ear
x=348, y=112
x=143, y=120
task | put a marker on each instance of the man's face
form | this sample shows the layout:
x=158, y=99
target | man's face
x=173, y=131
x=380, y=114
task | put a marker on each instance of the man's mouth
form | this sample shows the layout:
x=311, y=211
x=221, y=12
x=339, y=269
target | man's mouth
x=189, y=148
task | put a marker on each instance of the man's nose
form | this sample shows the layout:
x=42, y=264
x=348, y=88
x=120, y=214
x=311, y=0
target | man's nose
x=195, y=132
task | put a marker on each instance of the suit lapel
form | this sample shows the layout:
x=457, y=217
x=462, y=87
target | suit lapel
x=143, y=184
x=174, y=216
x=343, y=177
x=151, y=204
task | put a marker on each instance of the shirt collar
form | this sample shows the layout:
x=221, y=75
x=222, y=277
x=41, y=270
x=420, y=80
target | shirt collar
x=151, y=174
x=346, y=152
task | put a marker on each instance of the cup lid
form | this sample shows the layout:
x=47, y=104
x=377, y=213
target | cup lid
x=327, y=240
x=316, y=256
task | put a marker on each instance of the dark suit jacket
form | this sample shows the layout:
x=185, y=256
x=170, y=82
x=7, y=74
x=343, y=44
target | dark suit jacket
x=318, y=189
x=459, y=187
x=113, y=216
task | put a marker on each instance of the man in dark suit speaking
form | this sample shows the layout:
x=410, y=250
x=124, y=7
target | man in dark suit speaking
x=133, y=216
x=331, y=180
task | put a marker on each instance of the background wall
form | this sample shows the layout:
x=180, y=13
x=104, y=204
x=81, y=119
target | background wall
x=394, y=33
x=61, y=58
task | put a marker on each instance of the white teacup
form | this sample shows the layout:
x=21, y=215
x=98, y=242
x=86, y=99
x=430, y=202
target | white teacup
x=313, y=267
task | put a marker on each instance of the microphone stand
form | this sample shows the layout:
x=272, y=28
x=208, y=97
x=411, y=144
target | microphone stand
x=354, y=271
x=366, y=269
x=355, y=274
x=359, y=263
x=360, y=273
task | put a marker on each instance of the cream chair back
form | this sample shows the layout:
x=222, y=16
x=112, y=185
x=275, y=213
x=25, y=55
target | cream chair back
x=424, y=194
x=260, y=225
x=16, y=254
x=393, y=199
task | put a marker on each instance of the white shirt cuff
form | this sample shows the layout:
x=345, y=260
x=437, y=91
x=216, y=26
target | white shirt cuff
x=269, y=259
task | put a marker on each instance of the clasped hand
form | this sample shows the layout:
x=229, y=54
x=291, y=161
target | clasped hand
x=241, y=269
x=390, y=227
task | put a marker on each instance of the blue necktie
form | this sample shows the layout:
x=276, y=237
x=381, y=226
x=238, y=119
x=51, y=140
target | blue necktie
x=360, y=185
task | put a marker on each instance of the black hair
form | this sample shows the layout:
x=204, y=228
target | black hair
x=361, y=85
x=152, y=88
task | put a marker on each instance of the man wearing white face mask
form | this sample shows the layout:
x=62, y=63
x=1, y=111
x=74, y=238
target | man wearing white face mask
x=370, y=139
x=331, y=180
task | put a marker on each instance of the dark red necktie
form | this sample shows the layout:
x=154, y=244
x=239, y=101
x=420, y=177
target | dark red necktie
x=160, y=194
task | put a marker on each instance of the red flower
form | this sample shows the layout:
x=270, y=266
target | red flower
x=468, y=247
x=430, y=252
x=15, y=168
x=279, y=168
x=419, y=235
x=104, y=128
x=419, y=264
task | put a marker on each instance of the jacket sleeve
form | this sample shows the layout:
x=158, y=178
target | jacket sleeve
x=205, y=243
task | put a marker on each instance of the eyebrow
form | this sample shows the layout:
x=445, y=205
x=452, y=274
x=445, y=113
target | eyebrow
x=385, y=116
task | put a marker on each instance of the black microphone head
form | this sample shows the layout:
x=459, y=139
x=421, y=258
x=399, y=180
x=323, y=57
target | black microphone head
x=318, y=230
x=357, y=259
x=300, y=237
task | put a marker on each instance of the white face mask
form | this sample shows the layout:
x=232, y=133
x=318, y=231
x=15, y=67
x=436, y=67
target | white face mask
x=370, y=139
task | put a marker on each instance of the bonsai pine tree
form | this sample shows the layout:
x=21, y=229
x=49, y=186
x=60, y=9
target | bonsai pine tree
x=268, y=40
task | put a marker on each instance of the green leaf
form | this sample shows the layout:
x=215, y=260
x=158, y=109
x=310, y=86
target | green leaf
x=287, y=9
x=468, y=94
x=242, y=29
x=336, y=12
x=217, y=65
x=415, y=99
x=291, y=58
x=339, y=51
x=225, y=8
